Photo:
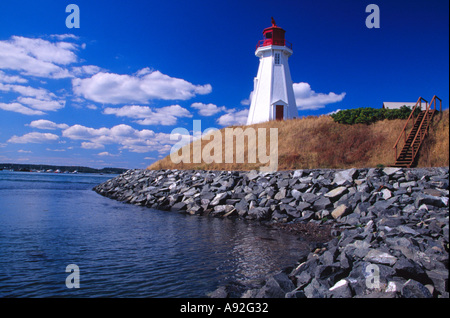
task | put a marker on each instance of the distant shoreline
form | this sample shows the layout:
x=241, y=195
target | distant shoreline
x=58, y=169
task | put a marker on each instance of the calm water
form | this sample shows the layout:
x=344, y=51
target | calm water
x=48, y=221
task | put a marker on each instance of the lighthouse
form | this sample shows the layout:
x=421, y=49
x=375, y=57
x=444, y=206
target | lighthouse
x=273, y=94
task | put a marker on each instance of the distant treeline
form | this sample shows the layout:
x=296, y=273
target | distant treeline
x=371, y=115
x=30, y=167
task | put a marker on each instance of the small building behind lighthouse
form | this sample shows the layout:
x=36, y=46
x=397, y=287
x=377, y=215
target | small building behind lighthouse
x=273, y=94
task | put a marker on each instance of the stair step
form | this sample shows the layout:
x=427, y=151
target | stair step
x=418, y=132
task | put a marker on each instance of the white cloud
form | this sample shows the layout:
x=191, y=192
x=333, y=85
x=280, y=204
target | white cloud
x=36, y=98
x=164, y=149
x=55, y=150
x=246, y=101
x=24, y=151
x=146, y=116
x=233, y=117
x=334, y=111
x=47, y=124
x=40, y=93
x=4, y=78
x=306, y=98
x=34, y=137
x=140, y=141
x=59, y=52
x=79, y=132
x=45, y=105
x=18, y=108
x=62, y=37
x=208, y=109
x=85, y=70
x=144, y=71
x=91, y=145
x=37, y=57
x=145, y=85
x=105, y=153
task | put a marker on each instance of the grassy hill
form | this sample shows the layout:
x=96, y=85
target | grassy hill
x=319, y=142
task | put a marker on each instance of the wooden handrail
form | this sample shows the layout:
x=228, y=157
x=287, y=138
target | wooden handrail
x=421, y=131
x=419, y=102
x=428, y=116
x=440, y=102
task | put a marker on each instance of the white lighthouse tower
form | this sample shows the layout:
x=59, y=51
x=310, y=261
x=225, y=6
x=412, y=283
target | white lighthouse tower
x=273, y=93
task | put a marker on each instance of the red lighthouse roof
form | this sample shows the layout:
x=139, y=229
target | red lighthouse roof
x=274, y=35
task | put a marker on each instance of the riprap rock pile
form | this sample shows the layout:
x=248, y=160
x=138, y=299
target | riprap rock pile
x=390, y=225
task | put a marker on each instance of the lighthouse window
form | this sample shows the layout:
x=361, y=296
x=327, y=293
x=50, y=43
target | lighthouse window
x=277, y=58
x=268, y=35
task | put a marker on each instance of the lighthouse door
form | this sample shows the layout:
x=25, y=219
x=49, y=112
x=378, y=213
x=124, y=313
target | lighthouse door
x=279, y=112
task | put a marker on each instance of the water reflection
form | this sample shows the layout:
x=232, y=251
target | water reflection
x=124, y=250
x=251, y=250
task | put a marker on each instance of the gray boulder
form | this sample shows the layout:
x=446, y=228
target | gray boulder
x=344, y=176
x=414, y=289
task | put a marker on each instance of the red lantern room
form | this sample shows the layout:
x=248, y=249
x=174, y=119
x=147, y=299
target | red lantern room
x=274, y=36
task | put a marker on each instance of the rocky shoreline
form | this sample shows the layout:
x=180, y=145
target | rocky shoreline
x=389, y=226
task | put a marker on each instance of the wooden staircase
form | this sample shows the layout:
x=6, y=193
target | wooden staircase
x=413, y=139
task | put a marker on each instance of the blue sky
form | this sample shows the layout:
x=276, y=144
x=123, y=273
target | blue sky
x=110, y=92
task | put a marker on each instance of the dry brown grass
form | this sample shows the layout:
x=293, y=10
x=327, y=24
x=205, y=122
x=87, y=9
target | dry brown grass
x=434, y=152
x=319, y=142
